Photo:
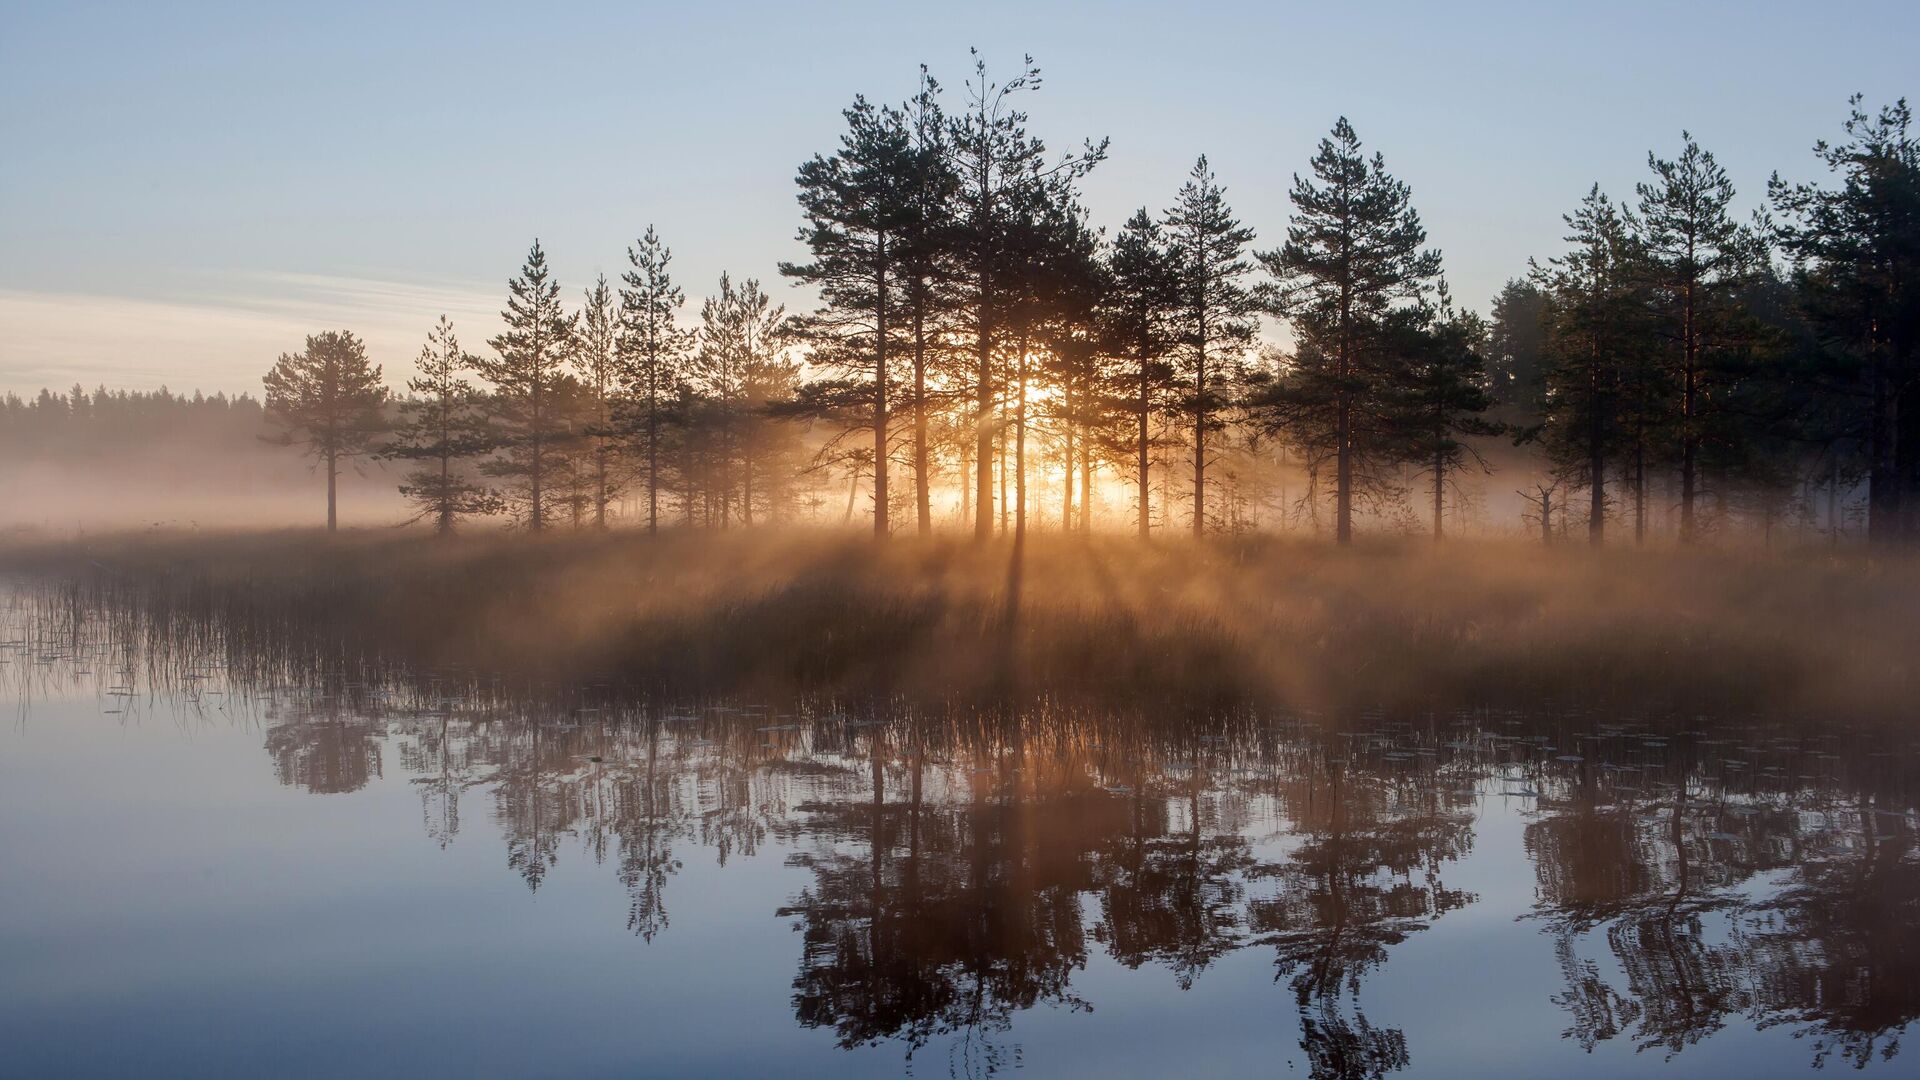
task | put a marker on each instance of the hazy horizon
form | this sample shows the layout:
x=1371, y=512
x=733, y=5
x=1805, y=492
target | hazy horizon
x=189, y=193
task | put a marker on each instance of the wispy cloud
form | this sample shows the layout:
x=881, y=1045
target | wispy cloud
x=225, y=337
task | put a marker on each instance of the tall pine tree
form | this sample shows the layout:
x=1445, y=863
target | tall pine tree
x=997, y=165
x=927, y=267
x=1213, y=317
x=1444, y=398
x=1138, y=315
x=1692, y=247
x=740, y=353
x=440, y=429
x=1856, y=251
x=653, y=353
x=1590, y=343
x=857, y=204
x=1353, y=254
x=596, y=359
x=526, y=372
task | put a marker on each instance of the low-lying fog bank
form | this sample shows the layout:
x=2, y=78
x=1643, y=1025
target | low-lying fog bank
x=1173, y=625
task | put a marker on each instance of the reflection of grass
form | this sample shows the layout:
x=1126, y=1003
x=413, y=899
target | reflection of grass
x=1174, y=623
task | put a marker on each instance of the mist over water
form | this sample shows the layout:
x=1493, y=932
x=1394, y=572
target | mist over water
x=1029, y=546
x=577, y=879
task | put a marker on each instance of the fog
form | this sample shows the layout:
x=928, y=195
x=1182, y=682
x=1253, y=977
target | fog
x=1397, y=624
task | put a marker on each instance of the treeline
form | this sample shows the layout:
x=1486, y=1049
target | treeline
x=1675, y=370
x=121, y=459
x=102, y=424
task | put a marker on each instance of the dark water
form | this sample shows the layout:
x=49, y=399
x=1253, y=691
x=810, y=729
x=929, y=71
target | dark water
x=299, y=873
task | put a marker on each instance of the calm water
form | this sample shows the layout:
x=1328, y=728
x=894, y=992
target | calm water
x=293, y=873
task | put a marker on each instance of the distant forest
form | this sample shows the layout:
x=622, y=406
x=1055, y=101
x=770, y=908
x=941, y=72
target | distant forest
x=984, y=358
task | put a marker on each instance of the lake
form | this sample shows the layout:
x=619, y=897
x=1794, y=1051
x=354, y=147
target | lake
x=222, y=867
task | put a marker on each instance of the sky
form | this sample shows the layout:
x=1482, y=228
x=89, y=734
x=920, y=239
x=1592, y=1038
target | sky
x=186, y=190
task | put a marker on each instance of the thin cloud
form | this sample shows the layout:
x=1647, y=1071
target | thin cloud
x=226, y=340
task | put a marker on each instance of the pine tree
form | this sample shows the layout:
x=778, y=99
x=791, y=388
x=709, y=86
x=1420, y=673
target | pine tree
x=1444, y=399
x=1214, y=314
x=927, y=270
x=1353, y=253
x=1138, y=315
x=1693, y=248
x=1856, y=251
x=596, y=358
x=998, y=164
x=652, y=354
x=741, y=337
x=1590, y=346
x=327, y=398
x=526, y=374
x=440, y=428
x=1073, y=277
x=856, y=204
x=1516, y=351
x=1046, y=247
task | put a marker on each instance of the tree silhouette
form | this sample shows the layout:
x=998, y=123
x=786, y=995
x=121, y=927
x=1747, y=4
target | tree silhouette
x=1138, y=313
x=1856, y=249
x=440, y=429
x=1352, y=254
x=1212, y=320
x=527, y=373
x=326, y=398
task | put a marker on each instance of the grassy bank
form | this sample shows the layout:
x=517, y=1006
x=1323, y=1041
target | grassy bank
x=1171, y=624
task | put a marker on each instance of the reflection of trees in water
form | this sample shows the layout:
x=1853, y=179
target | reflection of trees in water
x=961, y=872
x=1837, y=953
x=629, y=791
x=1782, y=903
x=1170, y=886
x=1364, y=874
x=323, y=744
x=442, y=768
x=944, y=915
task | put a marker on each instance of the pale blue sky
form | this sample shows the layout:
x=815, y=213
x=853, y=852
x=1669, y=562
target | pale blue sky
x=187, y=188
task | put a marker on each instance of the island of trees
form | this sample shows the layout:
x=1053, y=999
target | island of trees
x=983, y=359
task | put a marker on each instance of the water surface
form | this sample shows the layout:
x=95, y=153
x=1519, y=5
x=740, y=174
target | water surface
x=216, y=866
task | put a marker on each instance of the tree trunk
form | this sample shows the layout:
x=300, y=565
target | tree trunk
x=922, y=495
x=600, y=483
x=966, y=488
x=333, y=472
x=1020, y=447
x=983, y=389
x=1143, y=478
x=653, y=458
x=880, y=418
x=1004, y=505
x=1086, y=490
x=1200, y=437
x=1066, y=505
x=1596, y=451
x=1833, y=502
x=1883, y=448
x=1343, y=427
x=1688, y=406
x=1343, y=471
x=1640, y=490
x=445, y=523
x=535, y=518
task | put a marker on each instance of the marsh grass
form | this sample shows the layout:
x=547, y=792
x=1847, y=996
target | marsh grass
x=1171, y=625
